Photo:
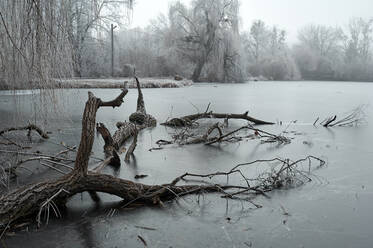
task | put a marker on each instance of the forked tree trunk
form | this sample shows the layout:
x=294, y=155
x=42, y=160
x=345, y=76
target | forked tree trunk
x=26, y=200
x=137, y=121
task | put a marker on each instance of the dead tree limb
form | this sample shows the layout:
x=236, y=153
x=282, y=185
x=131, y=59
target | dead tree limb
x=112, y=160
x=110, y=144
x=140, y=98
x=328, y=121
x=131, y=149
x=317, y=119
x=29, y=128
x=355, y=117
x=125, y=131
x=205, y=138
x=187, y=138
x=137, y=121
x=189, y=119
x=140, y=117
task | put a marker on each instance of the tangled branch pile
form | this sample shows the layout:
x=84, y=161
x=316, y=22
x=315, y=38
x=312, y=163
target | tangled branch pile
x=186, y=128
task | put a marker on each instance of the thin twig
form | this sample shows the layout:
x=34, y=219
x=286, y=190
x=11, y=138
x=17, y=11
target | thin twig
x=46, y=204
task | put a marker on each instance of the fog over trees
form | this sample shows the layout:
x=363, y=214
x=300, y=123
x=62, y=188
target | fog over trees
x=202, y=41
x=333, y=53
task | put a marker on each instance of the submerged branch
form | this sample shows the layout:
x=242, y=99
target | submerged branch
x=354, y=117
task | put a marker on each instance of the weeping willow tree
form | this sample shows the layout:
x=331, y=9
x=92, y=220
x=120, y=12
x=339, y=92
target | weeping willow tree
x=42, y=40
x=206, y=35
x=34, y=43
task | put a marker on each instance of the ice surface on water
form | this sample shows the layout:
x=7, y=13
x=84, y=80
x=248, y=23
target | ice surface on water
x=332, y=211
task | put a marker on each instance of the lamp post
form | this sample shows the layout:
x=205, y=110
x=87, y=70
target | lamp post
x=112, y=49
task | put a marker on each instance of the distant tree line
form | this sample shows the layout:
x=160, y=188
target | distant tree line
x=333, y=53
x=202, y=41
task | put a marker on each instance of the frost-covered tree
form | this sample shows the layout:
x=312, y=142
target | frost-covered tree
x=257, y=40
x=33, y=43
x=199, y=31
x=268, y=54
x=358, y=50
x=333, y=53
x=89, y=23
x=323, y=45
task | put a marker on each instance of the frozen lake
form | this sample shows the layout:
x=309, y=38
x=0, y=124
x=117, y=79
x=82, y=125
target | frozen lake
x=334, y=210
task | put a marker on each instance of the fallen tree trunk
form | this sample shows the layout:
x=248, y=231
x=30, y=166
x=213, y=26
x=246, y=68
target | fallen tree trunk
x=189, y=119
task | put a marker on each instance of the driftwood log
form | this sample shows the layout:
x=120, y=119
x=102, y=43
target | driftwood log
x=189, y=119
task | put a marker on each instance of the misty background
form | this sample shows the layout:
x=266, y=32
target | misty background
x=204, y=40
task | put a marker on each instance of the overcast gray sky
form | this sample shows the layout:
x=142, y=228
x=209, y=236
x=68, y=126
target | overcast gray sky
x=287, y=14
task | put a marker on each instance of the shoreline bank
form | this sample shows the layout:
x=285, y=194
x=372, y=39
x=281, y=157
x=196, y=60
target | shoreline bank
x=107, y=83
